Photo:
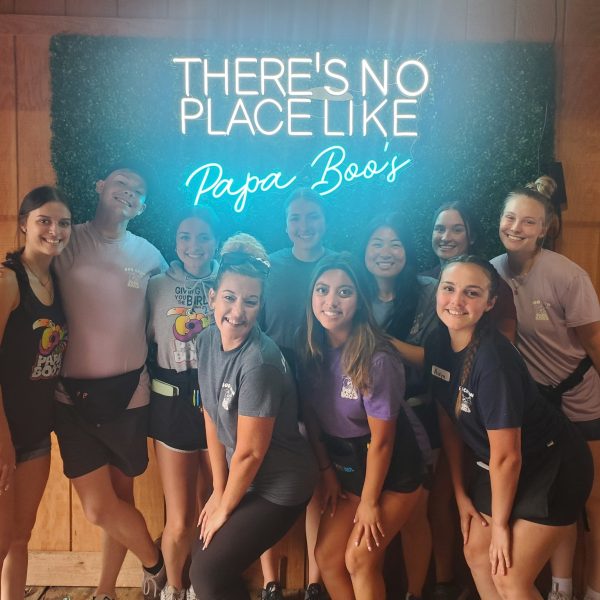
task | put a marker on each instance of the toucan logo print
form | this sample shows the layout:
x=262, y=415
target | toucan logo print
x=53, y=342
x=188, y=323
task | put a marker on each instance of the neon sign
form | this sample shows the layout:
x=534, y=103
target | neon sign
x=331, y=167
x=273, y=96
x=300, y=97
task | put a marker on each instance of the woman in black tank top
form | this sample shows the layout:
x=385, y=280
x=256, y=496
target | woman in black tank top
x=33, y=339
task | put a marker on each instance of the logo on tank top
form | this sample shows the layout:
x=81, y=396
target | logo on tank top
x=227, y=393
x=466, y=399
x=540, y=311
x=53, y=342
x=348, y=390
x=440, y=373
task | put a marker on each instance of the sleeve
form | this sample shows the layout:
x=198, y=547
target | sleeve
x=580, y=301
x=500, y=390
x=261, y=392
x=387, y=388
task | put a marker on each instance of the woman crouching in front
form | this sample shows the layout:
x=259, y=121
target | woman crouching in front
x=532, y=470
x=362, y=431
x=263, y=470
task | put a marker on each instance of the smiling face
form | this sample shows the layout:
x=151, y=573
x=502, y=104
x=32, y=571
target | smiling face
x=47, y=228
x=195, y=245
x=305, y=226
x=334, y=303
x=463, y=297
x=122, y=194
x=384, y=255
x=236, y=304
x=450, y=237
x=522, y=225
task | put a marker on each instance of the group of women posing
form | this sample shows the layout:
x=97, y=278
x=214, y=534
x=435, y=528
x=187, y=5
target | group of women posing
x=356, y=348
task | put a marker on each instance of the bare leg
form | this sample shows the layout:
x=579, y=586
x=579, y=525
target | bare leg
x=592, y=508
x=332, y=540
x=119, y=519
x=313, y=518
x=416, y=546
x=364, y=566
x=562, y=558
x=28, y=486
x=443, y=520
x=269, y=560
x=113, y=553
x=178, y=472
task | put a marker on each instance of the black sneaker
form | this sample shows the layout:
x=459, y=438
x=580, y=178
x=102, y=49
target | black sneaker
x=315, y=591
x=273, y=591
x=446, y=591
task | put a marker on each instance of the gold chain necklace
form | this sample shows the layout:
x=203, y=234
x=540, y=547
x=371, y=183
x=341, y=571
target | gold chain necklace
x=44, y=285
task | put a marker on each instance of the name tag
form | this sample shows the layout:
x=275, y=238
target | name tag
x=440, y=373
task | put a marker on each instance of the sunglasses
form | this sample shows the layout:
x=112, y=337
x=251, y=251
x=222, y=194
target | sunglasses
x=230, y=259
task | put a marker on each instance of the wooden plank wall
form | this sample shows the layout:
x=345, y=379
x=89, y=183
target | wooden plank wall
x=25, y=30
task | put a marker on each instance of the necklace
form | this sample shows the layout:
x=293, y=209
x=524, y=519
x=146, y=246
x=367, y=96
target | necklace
x=518, y=280
x=44, y=285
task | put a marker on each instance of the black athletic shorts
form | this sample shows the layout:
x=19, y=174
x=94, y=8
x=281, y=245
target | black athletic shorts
x=86, y=446
x=590, y=430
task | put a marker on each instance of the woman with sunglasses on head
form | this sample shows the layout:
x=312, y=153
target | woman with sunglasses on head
x=531, y=470
x=263, y=470
x=178, y=311
x=559, y=338
x=352, y=390
x=33, y=338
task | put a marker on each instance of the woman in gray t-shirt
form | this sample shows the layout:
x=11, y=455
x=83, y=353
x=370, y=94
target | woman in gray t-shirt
x=263, y=470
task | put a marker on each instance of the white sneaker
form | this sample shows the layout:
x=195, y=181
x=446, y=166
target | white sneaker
x=172, y=593
x=152, y=585
x=191, y=594
x=555, y=594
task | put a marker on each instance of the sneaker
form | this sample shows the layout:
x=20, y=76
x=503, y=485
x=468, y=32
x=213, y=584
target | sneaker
x=152, y=585
x=272, y=591
x=172, y=593
x=555, y=594
x=190, y=594
x=446, y=591
x=315, y=591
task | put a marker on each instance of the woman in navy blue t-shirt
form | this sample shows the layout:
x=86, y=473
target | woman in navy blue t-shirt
x=531, y=470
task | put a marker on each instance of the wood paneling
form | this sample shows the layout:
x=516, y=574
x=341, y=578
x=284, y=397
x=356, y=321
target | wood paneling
x=148, y=9
x=539, y=20
x=7, y=6
x=583, y=23
x=490, y=20
x=442, y=21
x=8, y=135
x=40, y=7
x=33, y=116
x=53, y=525
x=91, y=8
x=581, y=243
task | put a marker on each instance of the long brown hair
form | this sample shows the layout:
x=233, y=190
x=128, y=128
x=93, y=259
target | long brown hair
x=366, y=338
x=483, y=324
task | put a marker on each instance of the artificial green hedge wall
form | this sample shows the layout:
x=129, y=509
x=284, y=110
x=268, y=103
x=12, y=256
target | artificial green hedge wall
x=485, y=125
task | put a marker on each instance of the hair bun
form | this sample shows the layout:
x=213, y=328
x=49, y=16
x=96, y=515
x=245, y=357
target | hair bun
x=545, y=185
x=246, y=244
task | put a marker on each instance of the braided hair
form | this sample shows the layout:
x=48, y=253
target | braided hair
x=483, y=325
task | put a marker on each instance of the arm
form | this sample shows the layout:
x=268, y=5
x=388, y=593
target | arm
x=453, y=447
x=505, y=466
x=253, y=439
x=332, y=490
x=410, y=353
x=9, y=300
x=589, y=337
x=379, y=455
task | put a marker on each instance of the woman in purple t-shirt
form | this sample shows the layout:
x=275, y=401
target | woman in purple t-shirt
x=371, y=466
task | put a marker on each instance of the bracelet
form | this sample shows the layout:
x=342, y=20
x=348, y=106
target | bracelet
x=326, y=467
